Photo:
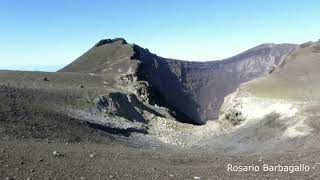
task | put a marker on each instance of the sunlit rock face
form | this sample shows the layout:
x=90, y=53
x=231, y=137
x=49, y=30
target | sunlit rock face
x=288, y=99
x=193, y=90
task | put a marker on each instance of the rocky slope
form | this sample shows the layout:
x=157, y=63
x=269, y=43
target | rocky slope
x=78, y=123
x=193, y=90
x=281, y=109
x=123, y=91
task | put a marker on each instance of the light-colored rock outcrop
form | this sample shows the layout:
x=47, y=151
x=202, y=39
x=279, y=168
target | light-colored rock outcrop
x=288, y=100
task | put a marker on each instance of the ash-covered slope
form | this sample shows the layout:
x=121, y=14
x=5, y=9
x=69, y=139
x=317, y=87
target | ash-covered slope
x=109, y=56
x=194, y=90
x=280, y=110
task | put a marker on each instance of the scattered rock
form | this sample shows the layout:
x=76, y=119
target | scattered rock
x=110, y=176
x=271, y=69
x=41, y=160
x=82, y=178
x=28, y=178
x=45, y=79
x=2, y=150
x=196, y=177
x=49, y=140
x=92, y=155
x=9, y=178
x=57, y=154
x=21, y=163
x=128, y=78
x=232, y=115
x=260, y=159
x=171, y=175
x=31, y=170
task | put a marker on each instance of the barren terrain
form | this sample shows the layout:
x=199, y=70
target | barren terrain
x=121, y=112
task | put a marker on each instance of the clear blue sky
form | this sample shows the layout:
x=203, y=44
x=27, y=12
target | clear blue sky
x=55, y=32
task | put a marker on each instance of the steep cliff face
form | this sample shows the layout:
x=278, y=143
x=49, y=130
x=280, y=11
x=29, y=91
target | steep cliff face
x=286, y=101
x=194, y=90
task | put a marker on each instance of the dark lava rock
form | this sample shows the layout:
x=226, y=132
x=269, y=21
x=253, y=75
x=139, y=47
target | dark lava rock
x=45, y=79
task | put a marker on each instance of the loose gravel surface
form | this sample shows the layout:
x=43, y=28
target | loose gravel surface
x=38, y=159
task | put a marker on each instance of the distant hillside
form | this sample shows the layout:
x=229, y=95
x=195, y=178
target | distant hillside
x=195, y=89
x=47, y=68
